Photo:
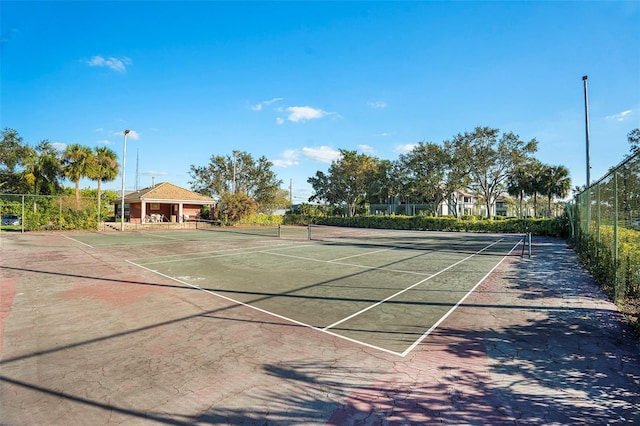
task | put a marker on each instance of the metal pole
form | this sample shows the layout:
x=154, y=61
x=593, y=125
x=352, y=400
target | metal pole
x=588, y=184
x=124, y=165
x=586, y=121
x=234, y=172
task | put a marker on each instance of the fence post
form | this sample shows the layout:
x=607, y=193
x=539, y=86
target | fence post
x=616, y=262
x=23, y=216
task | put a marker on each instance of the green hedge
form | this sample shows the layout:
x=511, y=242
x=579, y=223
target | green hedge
x=556, y=227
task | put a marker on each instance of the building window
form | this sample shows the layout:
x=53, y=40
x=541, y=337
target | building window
x=154, y=206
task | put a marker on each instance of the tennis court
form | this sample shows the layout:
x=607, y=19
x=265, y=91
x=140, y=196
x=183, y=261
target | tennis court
x=384, y=289
x=317, y=326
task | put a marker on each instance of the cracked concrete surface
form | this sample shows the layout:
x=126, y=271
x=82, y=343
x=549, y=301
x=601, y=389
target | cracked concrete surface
x=89, y=339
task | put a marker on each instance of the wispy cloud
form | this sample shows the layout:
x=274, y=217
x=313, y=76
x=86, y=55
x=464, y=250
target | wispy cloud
x=377, y=104
x=305, y=113
x=288, y=158
x=115, y=64
x=153, y=173
x=366, y=148
x=60, y=146
x=104, y=142
x=624, y=115
x=323, y=154
x=291, y=157
x=404, y=148
x=263, y=104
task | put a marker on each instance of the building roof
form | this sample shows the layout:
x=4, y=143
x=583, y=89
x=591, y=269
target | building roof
x=167, y=192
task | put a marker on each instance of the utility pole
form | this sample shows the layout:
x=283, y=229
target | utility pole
x=124, y=166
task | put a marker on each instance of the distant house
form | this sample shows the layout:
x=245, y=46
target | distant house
x=163, y=202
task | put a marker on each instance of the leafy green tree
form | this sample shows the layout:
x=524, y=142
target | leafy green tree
x=103, y=166
x=381, y=185
x=634, y=140
x=76, y=162
x=238, y=172
x=426, y=167
x=347, y=181
x=491, y=159
x=233, y=207
x=12, y=155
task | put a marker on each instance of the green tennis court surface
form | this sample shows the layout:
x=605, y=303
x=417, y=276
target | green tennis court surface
x=386, y=290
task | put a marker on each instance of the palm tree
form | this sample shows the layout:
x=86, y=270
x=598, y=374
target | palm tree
x=76, y=161
x=42, y=169
x=104, y=166
x=555, y=182
x=519, y=184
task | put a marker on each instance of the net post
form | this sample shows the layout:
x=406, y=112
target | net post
x=309, y=232
x=524, y=243
x=529, y=243
x=279, y=231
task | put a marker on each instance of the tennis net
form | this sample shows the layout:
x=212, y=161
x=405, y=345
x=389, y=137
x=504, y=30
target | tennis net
x=238, y=230
x=413, y=239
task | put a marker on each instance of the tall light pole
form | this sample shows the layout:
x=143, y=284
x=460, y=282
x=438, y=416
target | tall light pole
x=124, y=165
x=586, y=123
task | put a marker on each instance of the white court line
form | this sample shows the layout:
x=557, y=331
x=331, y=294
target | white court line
x=355, y=314
x=454, y=307
x=78, y=241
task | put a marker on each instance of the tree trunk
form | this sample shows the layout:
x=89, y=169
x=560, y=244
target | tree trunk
x=99, y=197
x=77, y=193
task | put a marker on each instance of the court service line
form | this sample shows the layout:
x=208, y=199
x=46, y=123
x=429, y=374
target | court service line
x=247, y=305
x=217, y=253
x=454, y=307
x=361, y=254
x=353, y=265
x=355, y=314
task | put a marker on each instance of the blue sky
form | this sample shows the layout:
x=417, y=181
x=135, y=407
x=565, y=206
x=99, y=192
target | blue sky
x=296, y=81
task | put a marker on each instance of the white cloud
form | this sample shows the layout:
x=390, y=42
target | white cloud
x=304, y=113
x=289, y=158
x=60, y=146
x=115, y=64
x=377, y=104
x=323, y=154
x=404, y=148
x=262, y=104
x=103, y=142
x=99, y=130
x=279, y=120
x=624, y=115
x=155, y=173
x=366, y=148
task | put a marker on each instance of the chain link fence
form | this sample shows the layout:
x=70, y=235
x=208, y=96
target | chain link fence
x=606, y=234
x=60, y=212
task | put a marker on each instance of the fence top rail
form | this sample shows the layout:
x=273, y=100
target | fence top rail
x=7, y=194
x=611, y=171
